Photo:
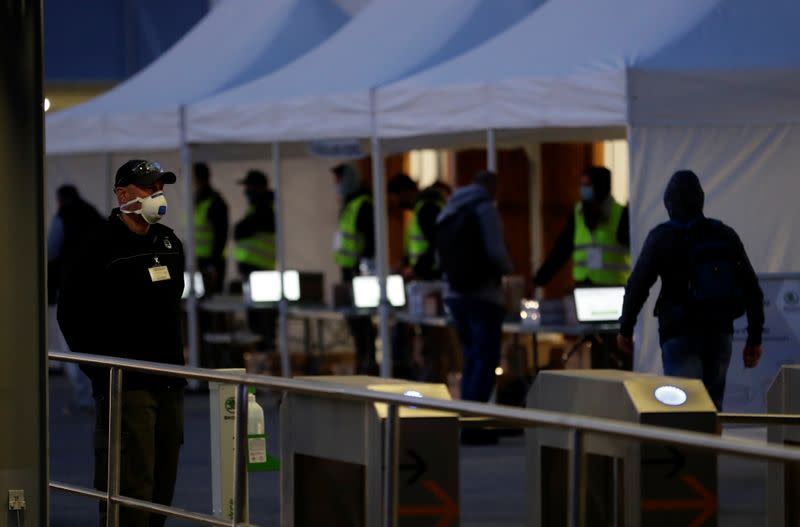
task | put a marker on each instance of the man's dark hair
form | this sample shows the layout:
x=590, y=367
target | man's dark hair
x=401, y=183
x=201, y=172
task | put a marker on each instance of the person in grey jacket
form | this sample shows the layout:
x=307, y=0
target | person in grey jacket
x=474, y=258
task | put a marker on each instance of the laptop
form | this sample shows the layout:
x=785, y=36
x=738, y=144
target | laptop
x=366, y=291
x=598, y=305
x=199, y=285
x=265, y=286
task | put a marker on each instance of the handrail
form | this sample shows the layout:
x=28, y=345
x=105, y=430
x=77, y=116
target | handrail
x=759, y=419
x=522, y=416
x=144, y=505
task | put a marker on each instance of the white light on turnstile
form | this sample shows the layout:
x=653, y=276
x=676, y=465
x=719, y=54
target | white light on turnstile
x=670, y=395
x=413, y=393
x=498, y=371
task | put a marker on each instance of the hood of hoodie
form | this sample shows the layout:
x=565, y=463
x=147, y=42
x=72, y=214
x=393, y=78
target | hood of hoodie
x=684, y=197
x=464, y=197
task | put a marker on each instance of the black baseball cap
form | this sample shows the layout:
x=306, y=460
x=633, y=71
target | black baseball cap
x=142, y=173
x=255, y=178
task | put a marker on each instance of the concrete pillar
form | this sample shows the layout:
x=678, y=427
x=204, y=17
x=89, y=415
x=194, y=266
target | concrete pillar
x=23, y=363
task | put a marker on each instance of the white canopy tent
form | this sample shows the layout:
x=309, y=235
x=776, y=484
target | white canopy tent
x=141, y=118
x=711, y=85
x=328, y=93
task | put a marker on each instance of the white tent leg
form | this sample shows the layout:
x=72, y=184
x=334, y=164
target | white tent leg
x=188, y=245
x=283, y=323
x=491, y=150
x=381, y=246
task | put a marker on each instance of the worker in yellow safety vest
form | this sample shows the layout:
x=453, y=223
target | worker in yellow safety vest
x=210, y=230
x=419, y=240
x=254, y=249
x=596, y=237
x=254, y=235
x=354, y=252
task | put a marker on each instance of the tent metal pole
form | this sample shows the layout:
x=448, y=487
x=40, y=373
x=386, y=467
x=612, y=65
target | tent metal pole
x=280, y=246
x=188, y=199
x=381, y=237
x=491, y=150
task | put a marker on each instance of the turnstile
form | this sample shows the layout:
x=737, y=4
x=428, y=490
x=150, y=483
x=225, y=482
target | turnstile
x=628, y=483
x=332, y=458
x=783, y=482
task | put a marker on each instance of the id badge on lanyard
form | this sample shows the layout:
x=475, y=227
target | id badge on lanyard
x=158, y=272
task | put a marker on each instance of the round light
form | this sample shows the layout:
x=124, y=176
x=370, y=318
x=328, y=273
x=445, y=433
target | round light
x=498, y=371
x=46, y=104
x=413, y=393
x=670, y=395
x=523, y=315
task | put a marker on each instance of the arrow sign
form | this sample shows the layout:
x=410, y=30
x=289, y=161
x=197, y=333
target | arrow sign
x=418, y=467
x=446, y=510
x=675, y=459
x=705, y=503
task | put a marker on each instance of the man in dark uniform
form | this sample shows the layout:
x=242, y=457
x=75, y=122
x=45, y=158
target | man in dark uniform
x=122, y=297
x=210, y=230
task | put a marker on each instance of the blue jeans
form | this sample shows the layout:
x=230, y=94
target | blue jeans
x=480, y=328
x=704, y=357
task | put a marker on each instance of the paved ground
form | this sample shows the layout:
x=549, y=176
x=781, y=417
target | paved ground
x=492, y=478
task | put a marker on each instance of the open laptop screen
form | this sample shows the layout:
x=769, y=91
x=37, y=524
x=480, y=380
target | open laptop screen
x=264, y=286
x=599, y=304
x=366, y=292
x=199, y=285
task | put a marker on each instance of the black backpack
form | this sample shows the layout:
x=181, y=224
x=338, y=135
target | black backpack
x=461, y=251
x=714, y=271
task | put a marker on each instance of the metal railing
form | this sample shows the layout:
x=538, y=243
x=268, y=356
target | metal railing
x=525, y=417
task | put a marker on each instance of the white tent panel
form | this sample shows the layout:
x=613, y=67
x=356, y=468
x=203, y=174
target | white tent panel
x=563, y=65
x=326, y=93
x=236, y=42
x=736, y=66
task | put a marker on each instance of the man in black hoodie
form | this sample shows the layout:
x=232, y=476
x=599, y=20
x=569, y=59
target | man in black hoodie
x=75, y=222
x=706, y=282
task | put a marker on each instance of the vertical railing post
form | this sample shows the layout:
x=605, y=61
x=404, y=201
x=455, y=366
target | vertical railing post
x=114, y=445
x=577, y=481
x=240, y=457
x=390, y=455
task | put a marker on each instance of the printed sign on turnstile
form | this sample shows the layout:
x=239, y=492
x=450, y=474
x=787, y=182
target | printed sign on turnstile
x=746, y=389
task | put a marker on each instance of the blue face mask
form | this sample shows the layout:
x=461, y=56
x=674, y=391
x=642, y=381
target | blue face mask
x=587, y=193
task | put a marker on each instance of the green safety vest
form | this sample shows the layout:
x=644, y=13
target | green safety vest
x=415, y=242
x=203, y=231
x=350, y=243
x=614, y=264
x=257, y=250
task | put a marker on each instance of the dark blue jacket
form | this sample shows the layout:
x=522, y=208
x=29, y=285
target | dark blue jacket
x=665, y=255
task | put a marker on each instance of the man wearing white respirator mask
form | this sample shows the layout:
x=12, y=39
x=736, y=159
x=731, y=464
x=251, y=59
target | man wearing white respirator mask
x=122, y=297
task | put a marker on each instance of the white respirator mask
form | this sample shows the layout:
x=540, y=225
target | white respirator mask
x=154, y=207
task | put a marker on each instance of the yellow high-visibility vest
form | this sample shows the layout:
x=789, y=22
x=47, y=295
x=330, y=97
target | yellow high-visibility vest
x=350, y=244
x=597, y=255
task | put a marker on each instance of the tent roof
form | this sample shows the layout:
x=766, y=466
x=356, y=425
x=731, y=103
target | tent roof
x=326, y=93
x=568, y=64
x=236, y=42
